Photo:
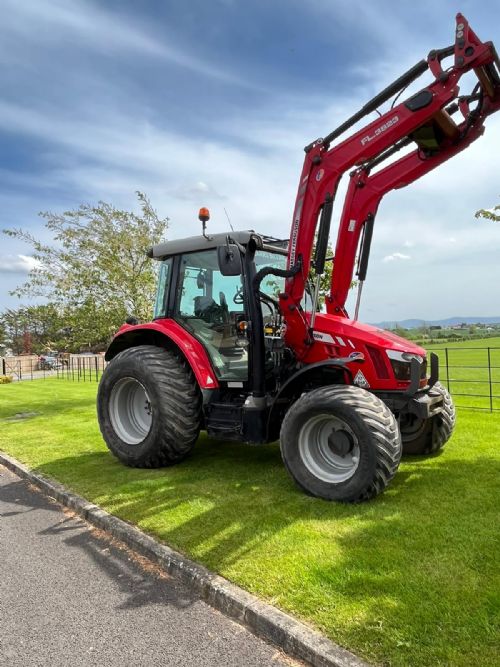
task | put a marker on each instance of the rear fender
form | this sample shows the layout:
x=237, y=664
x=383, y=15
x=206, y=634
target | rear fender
x=168, y=334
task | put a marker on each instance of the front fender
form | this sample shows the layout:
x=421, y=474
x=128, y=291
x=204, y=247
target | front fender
x=295, y=384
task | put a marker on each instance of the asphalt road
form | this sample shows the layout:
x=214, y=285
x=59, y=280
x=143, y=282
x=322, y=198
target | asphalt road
x=68, y=596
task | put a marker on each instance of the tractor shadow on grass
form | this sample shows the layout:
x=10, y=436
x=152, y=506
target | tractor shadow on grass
x=227, y=499
x=411, y=565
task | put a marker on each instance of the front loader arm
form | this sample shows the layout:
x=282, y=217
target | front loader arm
x=365, y=192
x=324, y=165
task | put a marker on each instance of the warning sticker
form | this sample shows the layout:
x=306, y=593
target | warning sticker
x=361, y=381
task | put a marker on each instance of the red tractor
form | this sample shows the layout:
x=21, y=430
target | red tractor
x=237, y=346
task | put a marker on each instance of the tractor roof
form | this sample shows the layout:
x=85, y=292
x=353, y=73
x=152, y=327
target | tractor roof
x=196, y=243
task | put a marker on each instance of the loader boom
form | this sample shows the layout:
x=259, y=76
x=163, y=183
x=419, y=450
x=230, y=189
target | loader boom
x=424, y=118
x=365, y=193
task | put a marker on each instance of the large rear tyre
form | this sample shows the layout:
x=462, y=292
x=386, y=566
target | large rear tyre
x=426, y=436
x=341, y=443
x=149, y=407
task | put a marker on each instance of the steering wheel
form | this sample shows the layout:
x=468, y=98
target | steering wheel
x=238, y=297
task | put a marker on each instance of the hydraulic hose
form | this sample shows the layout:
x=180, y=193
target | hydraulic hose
x=271, y=271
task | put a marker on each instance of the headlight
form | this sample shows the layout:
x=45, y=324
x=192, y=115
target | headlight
x=401, y=364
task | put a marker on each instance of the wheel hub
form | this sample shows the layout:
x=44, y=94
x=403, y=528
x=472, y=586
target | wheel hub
x=329, y=448
x=130, y=411
x=340, y=442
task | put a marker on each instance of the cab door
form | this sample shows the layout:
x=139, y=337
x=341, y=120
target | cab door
x=211, y=307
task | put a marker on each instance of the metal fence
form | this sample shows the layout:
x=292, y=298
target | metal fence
x=83, y=368
x=471, y=374
x=80, y=368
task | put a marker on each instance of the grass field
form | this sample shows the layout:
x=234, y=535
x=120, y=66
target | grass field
x=473, y=374
x=407, y=579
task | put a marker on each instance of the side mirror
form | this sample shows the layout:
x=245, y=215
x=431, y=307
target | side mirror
x=229, y=259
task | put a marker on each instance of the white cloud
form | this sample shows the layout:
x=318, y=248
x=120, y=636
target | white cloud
x=196, y=192
x=95, y=27
x=396, y=256
x=118, y=154
x=17, y=263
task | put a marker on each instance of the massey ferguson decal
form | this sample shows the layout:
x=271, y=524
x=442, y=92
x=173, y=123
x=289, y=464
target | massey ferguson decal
x=295, y=230
x=367, y=138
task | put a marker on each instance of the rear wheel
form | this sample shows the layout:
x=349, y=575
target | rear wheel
x=426, y=436
x=341, y=443
x=149, y=407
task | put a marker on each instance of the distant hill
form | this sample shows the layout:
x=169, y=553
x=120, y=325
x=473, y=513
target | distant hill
x=450, y=322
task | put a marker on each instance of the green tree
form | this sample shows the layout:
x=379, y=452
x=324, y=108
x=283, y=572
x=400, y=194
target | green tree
x=95, y=272
x=12, y=322
x=401, y=331
x=4, y=345
x=325, y=281
x=38, y=328
x=489, y=214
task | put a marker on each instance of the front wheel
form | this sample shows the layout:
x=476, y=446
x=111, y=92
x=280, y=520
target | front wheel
x=426, y=436
x=341, y=443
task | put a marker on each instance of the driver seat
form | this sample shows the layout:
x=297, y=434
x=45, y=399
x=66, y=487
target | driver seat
x=205, y=308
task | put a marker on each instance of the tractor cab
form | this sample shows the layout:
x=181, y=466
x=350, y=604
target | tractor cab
x=204, y=285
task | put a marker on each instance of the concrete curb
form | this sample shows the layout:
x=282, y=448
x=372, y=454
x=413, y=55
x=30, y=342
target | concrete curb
x=267, y=622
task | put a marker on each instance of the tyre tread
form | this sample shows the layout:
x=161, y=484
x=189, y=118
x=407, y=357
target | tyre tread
x=179, y=406
x=383, y=426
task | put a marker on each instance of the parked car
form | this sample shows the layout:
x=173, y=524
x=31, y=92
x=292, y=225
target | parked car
x=49, y=361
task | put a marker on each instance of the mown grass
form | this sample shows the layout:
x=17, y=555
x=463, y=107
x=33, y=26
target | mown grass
x=471, y=371
x=410, y=578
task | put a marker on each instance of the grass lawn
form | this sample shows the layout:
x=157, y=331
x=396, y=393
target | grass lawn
x=407, y=579
x=469, y=375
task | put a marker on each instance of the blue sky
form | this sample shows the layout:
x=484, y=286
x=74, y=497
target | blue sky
x=211, y=103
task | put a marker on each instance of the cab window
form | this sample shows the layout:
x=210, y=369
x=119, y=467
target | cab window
x=165, y=271
x=210, y=306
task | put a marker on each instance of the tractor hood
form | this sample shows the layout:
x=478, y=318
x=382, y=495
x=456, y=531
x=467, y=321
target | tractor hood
x=349, y=333
x=387, y=364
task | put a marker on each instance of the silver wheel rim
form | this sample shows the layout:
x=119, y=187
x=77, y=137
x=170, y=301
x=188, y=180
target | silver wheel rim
x=130, y=411
x=329, y=448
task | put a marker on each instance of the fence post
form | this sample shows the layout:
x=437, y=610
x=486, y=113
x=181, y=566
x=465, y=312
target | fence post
x=489, y=378
x=4, y=370
x=447, y=369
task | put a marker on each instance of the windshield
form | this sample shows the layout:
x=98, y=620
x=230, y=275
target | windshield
x=271, y=285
